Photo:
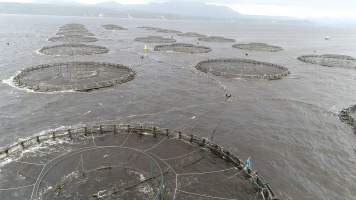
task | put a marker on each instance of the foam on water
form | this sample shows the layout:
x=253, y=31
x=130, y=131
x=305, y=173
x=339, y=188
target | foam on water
x=11, y=83
x=34, y=148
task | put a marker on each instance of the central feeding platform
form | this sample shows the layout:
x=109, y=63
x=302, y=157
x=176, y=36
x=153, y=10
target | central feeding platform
x=113, y=27
x=77, y=76
x=155, y=39
x=182, y=48
x=73, y=49
x=216, y=39
x=73, y=38
x=257, y=47
x=125, y=162
x=330, y=60
x=242, y=68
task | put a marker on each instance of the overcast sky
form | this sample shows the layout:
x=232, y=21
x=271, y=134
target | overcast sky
x=336, y=9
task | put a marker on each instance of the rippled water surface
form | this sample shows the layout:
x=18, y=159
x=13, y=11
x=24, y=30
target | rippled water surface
x=289, y=127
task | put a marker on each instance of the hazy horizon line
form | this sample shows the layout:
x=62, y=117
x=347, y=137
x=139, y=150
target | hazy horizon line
x=269, y=10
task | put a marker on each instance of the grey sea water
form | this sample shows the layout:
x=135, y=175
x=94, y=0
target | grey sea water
x=289, y=127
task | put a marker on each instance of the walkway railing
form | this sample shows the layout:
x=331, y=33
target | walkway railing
x=260, y=184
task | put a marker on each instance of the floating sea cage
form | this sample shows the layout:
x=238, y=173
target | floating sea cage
x=162, y=30
x=191, y=34
x=183, y=48
x=330, y=60
x=74, y=32
x=72, y=27
x=113, y=27
x=125, y=161
x=73, y=76
x=159, y=30
x=73, y=49
x=258, y=47
x=73, y=39
x=155, y=39
x=242, y=68
x=149, y=28
x=218, y=39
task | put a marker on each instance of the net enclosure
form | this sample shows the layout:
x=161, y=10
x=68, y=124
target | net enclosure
x=72, y=26
x=182, y=48
x=74, y=33
x=330, y=60
x=155, y=39
x=162, y=30
x=159, y=30
x=242, y=68
x=217, y=39
x=258, y=47
x=73, y=30
x=118, y=161
x=73, y=39
x=68, y=29
x=73, y=49
x=113, y=27
x=149, y=28
x=75, y=76
x=191, y=34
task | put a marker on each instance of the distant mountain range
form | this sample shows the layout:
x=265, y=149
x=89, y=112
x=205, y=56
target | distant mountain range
x=168, y=10
x=181, y=8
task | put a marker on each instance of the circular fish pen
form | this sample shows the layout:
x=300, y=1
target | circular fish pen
x=330, y=60
x=68, y=29
x=113, y=27
x=242, y=68
x=118, y=161
x=216, y=39
x=162, y=30
x=149, y=28
x=182, y=48
x=73, y=76
x=348, y=116
x=74, y=33
x=73, y=50
x=73, y=25
x=73, y=39
x=155, y=39
x=258, y=47
x=191, y=34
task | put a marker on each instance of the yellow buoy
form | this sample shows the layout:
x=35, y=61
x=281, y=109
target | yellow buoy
x=146, y=49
